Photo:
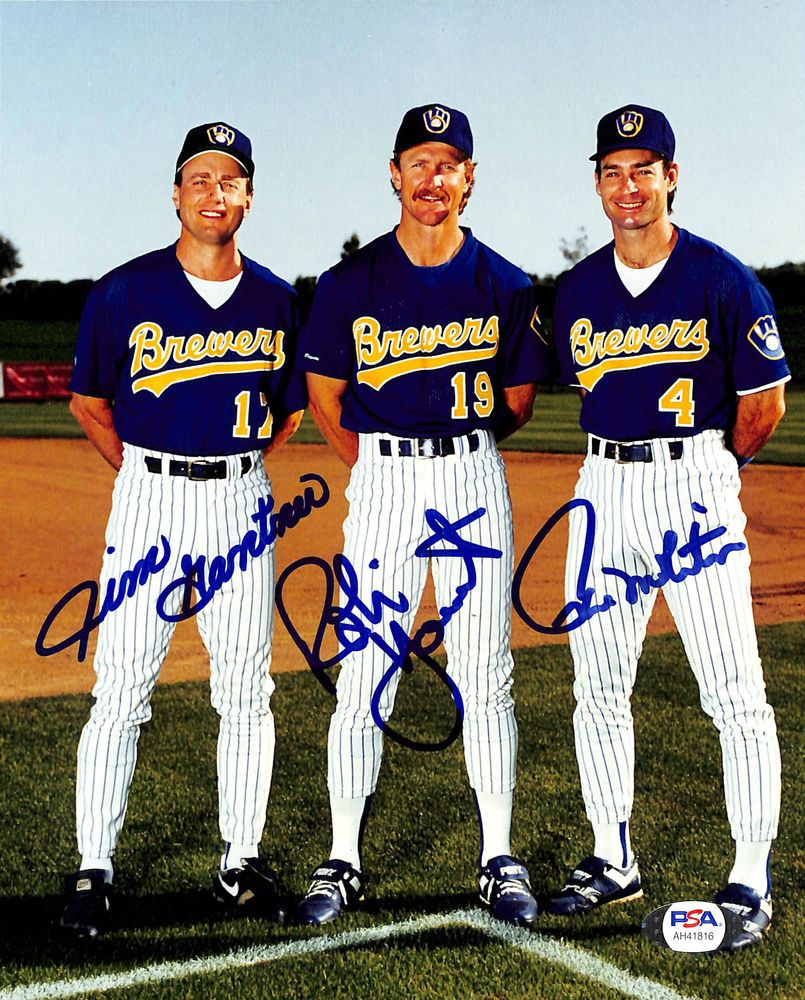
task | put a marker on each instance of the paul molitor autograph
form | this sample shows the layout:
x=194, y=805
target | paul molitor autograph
x=669, y=563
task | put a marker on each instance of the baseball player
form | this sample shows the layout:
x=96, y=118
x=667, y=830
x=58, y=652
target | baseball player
x=674, y=344
x=182, y=380
x=422, y=349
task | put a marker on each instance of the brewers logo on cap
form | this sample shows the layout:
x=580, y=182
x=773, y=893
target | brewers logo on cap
x=629, y=124
x=217, y=137
x=221, y=134
x=436, y=119
x=620, y=130
x=434, y=123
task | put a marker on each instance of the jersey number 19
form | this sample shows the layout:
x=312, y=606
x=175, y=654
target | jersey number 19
x=484, y=395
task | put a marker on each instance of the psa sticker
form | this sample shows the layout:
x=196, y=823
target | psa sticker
x=693, y=926
x=629, y=124
x=765, y=337
x=436, y=119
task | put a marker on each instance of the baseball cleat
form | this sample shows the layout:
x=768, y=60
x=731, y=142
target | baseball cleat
x=506, y=890
x=335, y=887
x=593, y=883
x=753, y=909
x=253, y=888
x=86, y=914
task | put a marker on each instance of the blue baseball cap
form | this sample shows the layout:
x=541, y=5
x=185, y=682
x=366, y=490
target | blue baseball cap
x=434, y=123
x=217, y=137
x=635, y=127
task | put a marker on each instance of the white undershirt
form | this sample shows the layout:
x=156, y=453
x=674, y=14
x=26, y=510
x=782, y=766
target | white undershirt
x=637, y=279
x=214, y=293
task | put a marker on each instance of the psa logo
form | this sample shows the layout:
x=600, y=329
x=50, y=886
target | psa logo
x=693, y=918
x=692, y=925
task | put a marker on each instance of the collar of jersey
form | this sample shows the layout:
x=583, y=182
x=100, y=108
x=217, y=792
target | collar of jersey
x=171, y=250
x=465, y=248
x=670, y=265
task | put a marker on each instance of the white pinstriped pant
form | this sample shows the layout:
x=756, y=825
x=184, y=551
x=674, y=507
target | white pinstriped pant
x=199, y=518
x=635, y=503
x=388, y=497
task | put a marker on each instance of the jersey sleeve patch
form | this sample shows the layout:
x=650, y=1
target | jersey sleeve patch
x=536, y=325
x=765, y=338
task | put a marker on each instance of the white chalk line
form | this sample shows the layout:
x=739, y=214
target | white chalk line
x=553, y=950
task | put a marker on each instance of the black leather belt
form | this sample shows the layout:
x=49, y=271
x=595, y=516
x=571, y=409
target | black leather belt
x=425, y=447
x=634, y=452
x=197, y=470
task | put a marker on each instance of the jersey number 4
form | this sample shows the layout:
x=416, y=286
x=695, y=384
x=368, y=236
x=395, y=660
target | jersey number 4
x=242, y=428
x=679, y=400
x=484, y=395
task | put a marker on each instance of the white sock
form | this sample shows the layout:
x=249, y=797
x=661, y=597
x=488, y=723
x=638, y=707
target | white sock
x=612, y=843
x=235, y=854
x=752, y=865
x=348, y=816
x=495, y=819
x=105, y=864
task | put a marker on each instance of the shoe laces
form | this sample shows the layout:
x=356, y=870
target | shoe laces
x=323, y=887
x=512, y=886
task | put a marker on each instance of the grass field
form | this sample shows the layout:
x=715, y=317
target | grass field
x=553, y=428
x=420, y=848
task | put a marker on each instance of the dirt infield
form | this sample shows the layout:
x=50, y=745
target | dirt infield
x=56, y=496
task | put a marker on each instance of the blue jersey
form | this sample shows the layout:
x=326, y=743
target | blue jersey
x=670, y=361
x=184, y=377
x=426, y=351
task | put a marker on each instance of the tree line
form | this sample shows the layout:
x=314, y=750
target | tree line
x=40, y=301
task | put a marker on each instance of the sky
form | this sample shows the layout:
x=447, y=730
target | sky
x=96, y=98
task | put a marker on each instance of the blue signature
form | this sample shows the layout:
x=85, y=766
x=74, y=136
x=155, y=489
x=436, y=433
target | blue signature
x=581, y=610
x=197, y=575
x=206, y=579
x=354, y=622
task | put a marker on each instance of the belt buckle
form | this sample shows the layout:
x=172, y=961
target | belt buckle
x=427, y=448
x=196, y=478
x=619, y=451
